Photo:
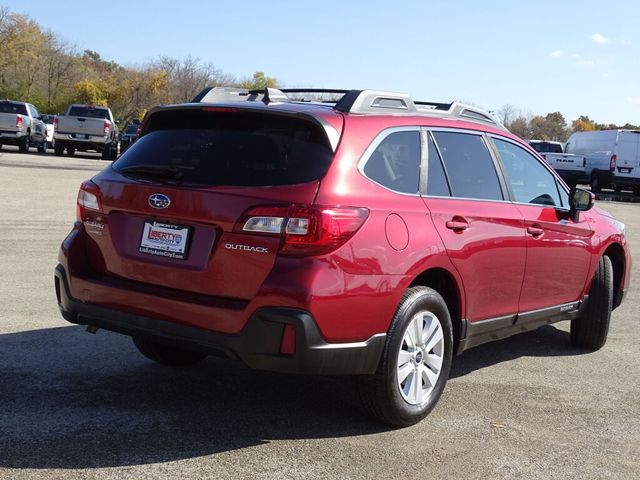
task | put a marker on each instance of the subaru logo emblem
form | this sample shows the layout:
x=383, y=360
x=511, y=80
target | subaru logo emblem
x=159, y=200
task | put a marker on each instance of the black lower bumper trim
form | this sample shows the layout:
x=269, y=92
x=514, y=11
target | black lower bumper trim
x=257, y=345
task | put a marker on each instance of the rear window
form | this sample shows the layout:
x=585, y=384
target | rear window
x=546, y=147
x=231, y=148
x=90, y=112
x=17, y=108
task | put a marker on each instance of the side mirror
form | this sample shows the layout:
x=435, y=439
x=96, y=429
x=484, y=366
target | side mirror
x=580, y=201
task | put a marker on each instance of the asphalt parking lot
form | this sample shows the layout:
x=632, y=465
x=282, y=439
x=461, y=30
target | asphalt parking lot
x=75, y=405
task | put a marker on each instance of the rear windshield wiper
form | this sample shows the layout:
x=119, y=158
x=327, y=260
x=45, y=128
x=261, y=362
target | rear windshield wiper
x=161, y=171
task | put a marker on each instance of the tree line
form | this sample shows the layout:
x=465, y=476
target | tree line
x=552, y=126
x=41, y=67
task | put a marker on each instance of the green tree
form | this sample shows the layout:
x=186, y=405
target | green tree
x=259, y=81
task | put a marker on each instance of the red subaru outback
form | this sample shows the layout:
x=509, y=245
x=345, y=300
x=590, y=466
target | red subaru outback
x=374, y=236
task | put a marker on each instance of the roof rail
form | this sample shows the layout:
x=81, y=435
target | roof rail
x=353, y=101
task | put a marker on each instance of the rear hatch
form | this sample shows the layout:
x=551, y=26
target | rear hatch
x=173, y=208
x=9, y=112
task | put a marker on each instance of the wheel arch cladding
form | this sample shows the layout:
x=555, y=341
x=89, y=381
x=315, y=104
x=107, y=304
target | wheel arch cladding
x=445, y=284
x=615, y=253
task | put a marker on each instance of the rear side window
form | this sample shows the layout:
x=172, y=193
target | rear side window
x=395, y=163
x=90, y=112
x=8, y=107
x=232, y=149
x=469, y=165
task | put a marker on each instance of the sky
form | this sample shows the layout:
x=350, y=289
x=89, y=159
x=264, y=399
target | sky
x=576, y=57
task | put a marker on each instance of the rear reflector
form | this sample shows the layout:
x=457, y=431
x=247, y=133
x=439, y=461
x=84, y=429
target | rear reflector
x=288, y=343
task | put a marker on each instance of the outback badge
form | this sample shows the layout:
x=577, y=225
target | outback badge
x=159, y=200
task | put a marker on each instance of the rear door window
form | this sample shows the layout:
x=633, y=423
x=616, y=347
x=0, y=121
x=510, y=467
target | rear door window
x=231, y=149
x=437, y=184
x=471, y=171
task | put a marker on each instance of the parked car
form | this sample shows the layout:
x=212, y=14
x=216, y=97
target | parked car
x=48, y=123
x=375, y=237
x=87, y=128
x=571, y=168
x=128, y=136
x=20, y=125
x=613, y=157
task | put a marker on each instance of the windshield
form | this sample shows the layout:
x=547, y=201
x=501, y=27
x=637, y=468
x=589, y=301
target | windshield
x=90, y=112
x=231, y=149
x=9, y=107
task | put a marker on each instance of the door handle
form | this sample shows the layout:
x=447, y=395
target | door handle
x=535, y=231
x=457, y=224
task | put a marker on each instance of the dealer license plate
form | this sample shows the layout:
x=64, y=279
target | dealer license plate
x=165, y=240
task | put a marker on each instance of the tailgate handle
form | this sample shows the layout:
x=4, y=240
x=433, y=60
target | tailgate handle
x=535, y=231
x=457, y=224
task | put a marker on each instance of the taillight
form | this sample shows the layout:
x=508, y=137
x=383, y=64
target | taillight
x=88, y=200
x=55, y=122
x=138, y=130
x=19, y=122
x=612, y=163
x=107, y=128
x=305, y=229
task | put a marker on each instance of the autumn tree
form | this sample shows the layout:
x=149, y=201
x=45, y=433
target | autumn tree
x=520, y=126
x=583, y=124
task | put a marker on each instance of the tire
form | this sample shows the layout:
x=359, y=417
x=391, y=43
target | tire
x=596, y=187
x=167, y=355
x=42, y=148
x=71, y=151
x=385, y=395
x=0, y=145
x=591, y=329
x=105, y=154
x=58, y=149
x=23, y=146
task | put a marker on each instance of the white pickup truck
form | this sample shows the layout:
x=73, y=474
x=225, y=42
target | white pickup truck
x=571, y=168
x=86, y=127
x=21, y=125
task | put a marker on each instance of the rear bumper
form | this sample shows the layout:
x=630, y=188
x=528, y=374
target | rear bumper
x=257, y=344
x=626, y=181
x=92, y=142
x=12, y=138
